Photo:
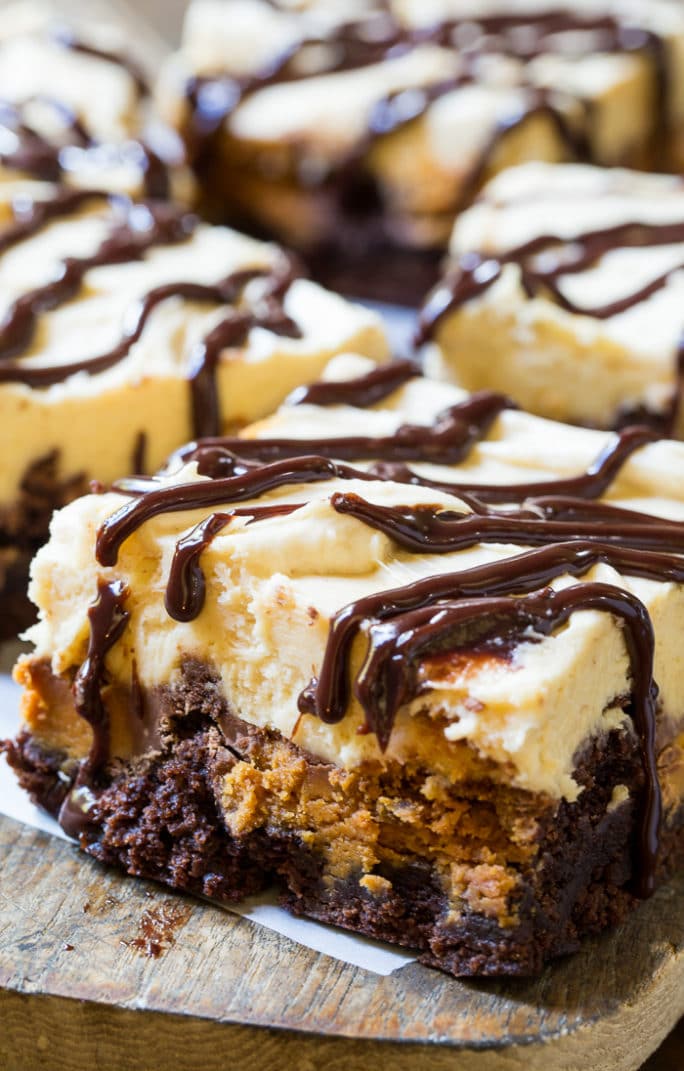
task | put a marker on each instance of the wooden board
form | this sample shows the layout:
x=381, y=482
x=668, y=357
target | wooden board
x=80, y=987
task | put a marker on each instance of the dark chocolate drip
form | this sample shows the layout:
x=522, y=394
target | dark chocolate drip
x=31, y=217
x=129, y=241
x=139, y=456
x=435, y=530
x=108, y=619
x=475, y=272
x=66, y=36
x=186, y=587
x=447, y=441
x=250, y=483
x=361, y=391
x=593, y=483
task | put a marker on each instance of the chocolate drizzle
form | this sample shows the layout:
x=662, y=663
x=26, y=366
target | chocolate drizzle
x=361, y=391
x=68, y=38
x=142, y=228
x=543, y=262
x=108, y=619
x=31, y=216
x=50, y=159
x=251, y=482
x=590, y=484
x=186, y=587
x=42, y=158
x=476, y=272
x=446, y=442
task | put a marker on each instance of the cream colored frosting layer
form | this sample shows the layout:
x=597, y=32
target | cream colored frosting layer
x=273, y=586
x=95, y=420
x=556, y=362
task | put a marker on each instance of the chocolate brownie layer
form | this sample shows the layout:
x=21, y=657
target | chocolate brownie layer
x=482, y=880
x=23, y=529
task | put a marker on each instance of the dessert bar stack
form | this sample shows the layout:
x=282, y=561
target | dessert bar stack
x=397, y=637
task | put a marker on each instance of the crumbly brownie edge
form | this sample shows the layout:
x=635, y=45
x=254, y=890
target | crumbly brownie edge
x=24, y=527
x=158, y=818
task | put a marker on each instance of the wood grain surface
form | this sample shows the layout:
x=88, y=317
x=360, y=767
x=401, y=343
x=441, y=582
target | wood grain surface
x=117, y=967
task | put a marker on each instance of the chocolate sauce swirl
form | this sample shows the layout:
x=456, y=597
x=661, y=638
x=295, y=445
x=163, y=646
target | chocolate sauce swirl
x=361, y=391
x=447, y=441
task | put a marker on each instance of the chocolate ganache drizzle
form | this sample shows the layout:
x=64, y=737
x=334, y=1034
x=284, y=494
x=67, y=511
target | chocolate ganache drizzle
x=493, y=606
x=141, y=228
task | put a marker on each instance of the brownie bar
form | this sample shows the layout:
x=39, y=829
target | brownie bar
x=415, y=663
x=565, y=290
x=224, y=809
x=76, y=108
x=348, y=132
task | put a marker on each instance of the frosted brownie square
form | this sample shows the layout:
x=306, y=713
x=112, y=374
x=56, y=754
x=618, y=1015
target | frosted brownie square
x=75, y=107
x=566, y=289
x=127, y=328
x=396, y=652
x=356, y=129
